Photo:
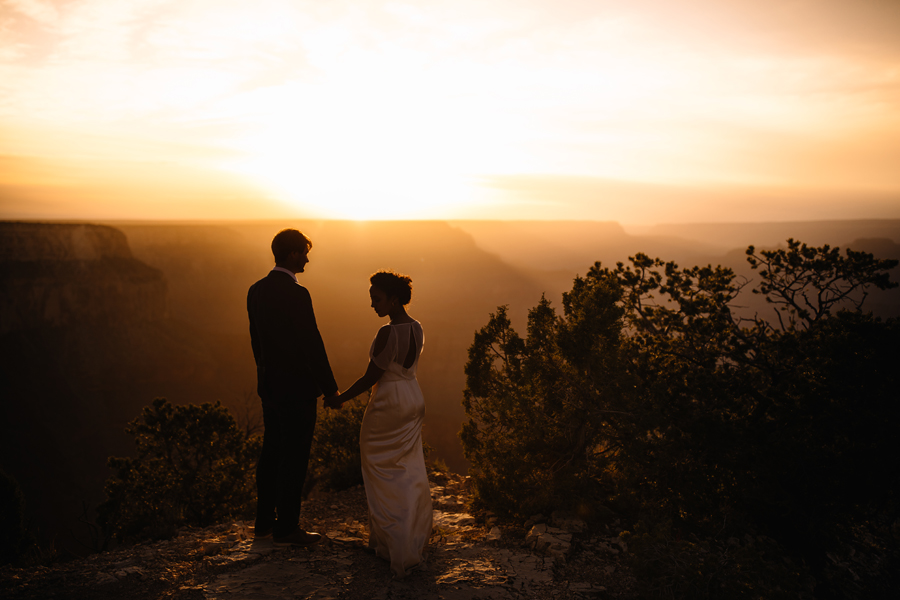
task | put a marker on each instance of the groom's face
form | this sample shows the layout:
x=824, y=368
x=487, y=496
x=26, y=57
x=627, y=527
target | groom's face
x=299, y=260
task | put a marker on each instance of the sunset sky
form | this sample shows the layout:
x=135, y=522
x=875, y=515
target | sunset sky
x=640, y=112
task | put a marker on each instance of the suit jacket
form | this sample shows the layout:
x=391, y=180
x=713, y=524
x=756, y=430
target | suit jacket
x=289, y=352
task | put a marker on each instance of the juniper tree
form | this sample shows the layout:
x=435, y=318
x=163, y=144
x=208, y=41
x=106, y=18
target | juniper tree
x=655, y=393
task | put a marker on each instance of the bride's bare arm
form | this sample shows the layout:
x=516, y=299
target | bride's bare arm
x=372, y=375
x=373, y=372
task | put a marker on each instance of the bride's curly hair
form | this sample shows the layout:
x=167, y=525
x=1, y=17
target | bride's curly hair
x=395, y=285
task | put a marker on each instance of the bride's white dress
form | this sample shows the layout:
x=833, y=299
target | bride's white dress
x=393, y=465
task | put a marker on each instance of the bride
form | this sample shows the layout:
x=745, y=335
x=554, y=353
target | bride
x=390, y=440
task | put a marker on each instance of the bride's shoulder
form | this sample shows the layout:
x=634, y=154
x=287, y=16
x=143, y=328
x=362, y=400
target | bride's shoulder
x=406, y=321
x=381, y=339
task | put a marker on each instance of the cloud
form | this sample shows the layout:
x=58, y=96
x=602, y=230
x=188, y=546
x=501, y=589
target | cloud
x=381, y=93
x=43, y=12
x=635, y=202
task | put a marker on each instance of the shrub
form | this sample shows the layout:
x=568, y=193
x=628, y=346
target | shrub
x=193, y=466
x=650, y=393
x=335, y=458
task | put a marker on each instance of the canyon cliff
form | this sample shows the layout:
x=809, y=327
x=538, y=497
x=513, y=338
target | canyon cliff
x=85, y=342
x=60, y=275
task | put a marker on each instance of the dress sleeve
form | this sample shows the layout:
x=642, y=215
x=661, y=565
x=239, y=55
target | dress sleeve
x=389, y=354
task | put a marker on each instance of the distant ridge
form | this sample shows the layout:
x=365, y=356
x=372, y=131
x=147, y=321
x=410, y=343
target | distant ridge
x=730, y=236
x=573, y=246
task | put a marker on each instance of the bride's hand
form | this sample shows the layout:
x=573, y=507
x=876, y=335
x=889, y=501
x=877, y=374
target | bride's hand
x=333, y=402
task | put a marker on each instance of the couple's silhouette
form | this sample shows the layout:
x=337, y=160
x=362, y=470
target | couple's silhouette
x=293, y=371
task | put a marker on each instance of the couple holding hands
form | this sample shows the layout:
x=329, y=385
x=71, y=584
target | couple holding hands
x=293, y=371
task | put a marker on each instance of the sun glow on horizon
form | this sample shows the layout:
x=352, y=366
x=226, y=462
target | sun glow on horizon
x=380, y=135
x=462, y=109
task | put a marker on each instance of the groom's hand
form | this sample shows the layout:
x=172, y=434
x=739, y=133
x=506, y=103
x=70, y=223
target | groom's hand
x=333, y=401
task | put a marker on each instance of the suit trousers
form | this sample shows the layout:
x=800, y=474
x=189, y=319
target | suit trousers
x=281, y=470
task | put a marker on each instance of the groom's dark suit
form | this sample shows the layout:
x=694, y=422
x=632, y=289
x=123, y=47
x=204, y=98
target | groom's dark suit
x=292, y=372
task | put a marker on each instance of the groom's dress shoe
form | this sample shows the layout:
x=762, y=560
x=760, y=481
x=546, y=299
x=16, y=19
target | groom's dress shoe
x=298, y=538
x=260, y=533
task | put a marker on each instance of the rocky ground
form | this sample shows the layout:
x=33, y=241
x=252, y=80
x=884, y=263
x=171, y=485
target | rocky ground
x=469, y=557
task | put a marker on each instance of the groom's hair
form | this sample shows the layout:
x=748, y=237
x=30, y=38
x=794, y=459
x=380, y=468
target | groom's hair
x=287, y=241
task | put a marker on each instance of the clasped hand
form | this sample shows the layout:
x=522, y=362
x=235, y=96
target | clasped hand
x=334, y=402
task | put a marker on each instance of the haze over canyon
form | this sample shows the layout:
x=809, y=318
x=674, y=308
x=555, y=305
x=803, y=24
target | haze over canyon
x=96, y=320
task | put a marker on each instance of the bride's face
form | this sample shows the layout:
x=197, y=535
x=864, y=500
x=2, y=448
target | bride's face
x=380, y=301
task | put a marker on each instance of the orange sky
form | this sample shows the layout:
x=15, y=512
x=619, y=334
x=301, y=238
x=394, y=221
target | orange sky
x=641, y=111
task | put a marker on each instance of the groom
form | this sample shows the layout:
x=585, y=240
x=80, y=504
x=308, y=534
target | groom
x=292, y=372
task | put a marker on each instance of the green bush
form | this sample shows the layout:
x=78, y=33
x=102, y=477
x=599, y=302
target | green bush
x=650, y=394
x=335, y=458
x=193, y=466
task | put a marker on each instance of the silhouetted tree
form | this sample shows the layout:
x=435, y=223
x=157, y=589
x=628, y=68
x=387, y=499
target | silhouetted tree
x=652, y=394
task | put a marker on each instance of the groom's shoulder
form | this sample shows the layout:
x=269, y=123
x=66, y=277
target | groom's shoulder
x=283, y=284
x=279, y=283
